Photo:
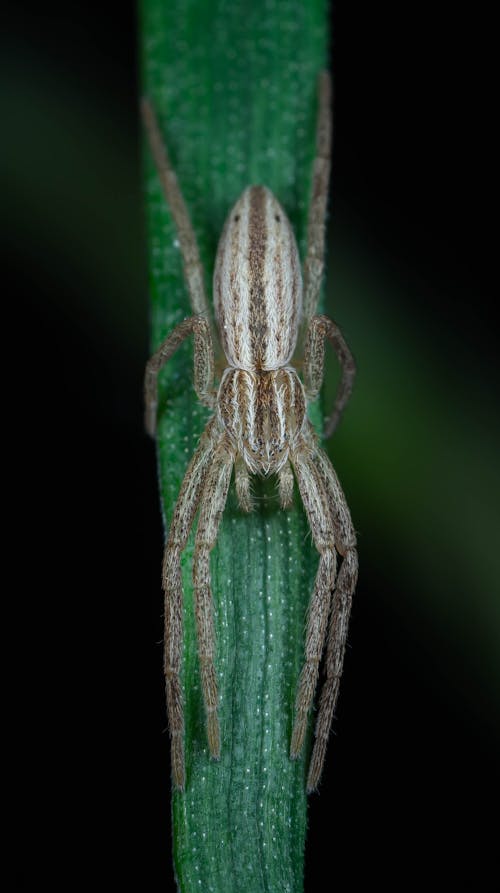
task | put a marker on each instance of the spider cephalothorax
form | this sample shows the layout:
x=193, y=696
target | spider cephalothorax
x=258, y=426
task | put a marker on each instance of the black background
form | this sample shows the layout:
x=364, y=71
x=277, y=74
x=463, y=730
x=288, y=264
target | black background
x=406, y=797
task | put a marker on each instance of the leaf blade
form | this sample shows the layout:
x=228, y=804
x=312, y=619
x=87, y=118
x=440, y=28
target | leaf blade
x=234, y=86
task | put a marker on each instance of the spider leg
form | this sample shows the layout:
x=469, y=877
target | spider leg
x=322, y=327
x=182, y=519
x=213, y=500
x=314, y=262
x=315, y=503
x=203, y=366
x=193, y=270
x=345, y=540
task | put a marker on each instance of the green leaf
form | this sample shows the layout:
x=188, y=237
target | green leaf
x=234, y=86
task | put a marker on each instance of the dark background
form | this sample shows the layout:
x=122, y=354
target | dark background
x=412, y=771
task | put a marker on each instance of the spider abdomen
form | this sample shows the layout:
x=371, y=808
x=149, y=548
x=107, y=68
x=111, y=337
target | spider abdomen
x=263, y=413
x=258, y=283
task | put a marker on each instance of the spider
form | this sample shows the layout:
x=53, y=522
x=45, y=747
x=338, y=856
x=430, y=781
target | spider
x=259, y=426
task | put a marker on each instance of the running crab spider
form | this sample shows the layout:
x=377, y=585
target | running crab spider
x=259, y=426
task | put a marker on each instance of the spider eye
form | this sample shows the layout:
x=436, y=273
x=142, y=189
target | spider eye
x=277, y=218
x=236, y=218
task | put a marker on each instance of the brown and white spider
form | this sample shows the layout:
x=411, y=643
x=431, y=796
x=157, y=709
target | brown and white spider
x=259, y=426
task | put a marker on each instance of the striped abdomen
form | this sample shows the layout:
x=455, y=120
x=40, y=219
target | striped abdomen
x=258, y=283
x=263, y=413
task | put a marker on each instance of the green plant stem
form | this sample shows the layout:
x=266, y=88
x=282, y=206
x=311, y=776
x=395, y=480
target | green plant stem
x=234, y=86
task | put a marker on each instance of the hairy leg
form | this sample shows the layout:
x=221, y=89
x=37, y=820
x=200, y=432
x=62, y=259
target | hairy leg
x=314, y=262
x=322, y=327
x=345, y=536
x=345, y=540
x=212, y=504
x=337, y=637
x=193, y=270
x=315, y=503
x=182, y=519
x=203, y=366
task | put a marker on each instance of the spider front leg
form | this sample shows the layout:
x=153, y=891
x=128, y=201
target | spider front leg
x=193, y=270
x=182, y=520
x=212, y=504
x=315, y=254
x=322, y=327
x=313, y=496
